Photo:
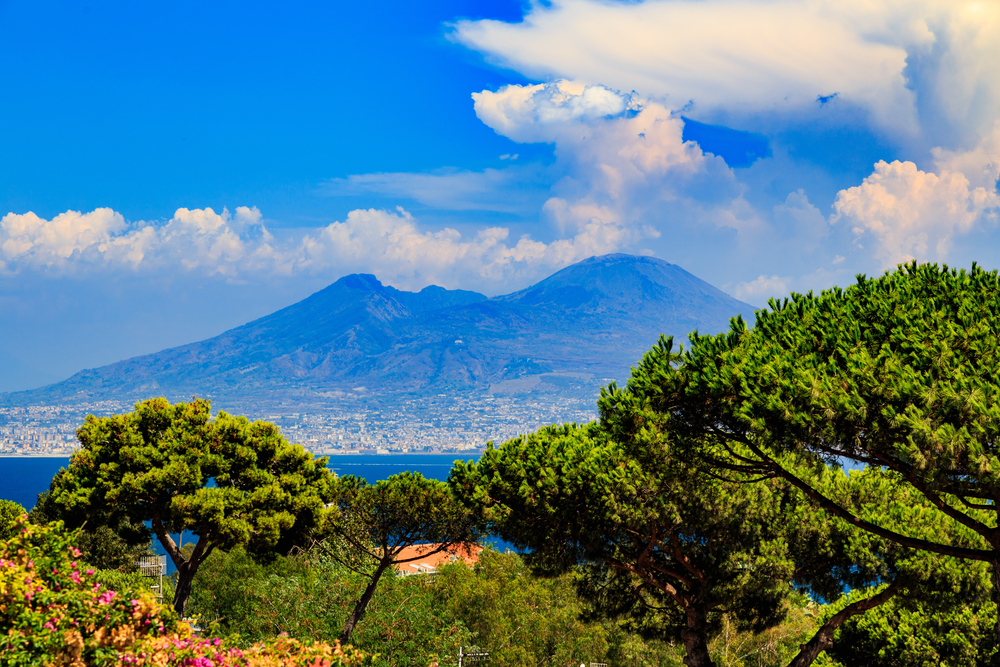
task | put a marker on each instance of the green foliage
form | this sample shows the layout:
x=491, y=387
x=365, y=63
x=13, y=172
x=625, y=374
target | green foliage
x=108, y=543
x=522, y=620
x=51, y=611
x=384, y=518
x=898, y=371
x=774, y=647
x=379, y=521
x=661, y=542
x=918, y=635
x=308, y=596
x=10, y=512
x=156, y=464
x=416, y=620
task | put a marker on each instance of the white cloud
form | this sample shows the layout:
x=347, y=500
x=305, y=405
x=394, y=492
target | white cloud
x=542, y=113
x=71, y=236
x=759, y=290
x=73, y=241
x=238, y=247
x=913, y=214
x=617, y=155
x=981, y=165
x=391, y=245
x=908, y=62
x=762, y=288
x=801, y=222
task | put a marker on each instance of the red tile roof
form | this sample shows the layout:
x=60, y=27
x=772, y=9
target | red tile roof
x=429, y=563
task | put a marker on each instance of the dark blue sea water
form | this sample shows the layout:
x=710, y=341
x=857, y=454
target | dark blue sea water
x=22, y=479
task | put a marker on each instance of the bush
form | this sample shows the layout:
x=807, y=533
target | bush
x=309, y=596
x=53, y=613
x=10, y=512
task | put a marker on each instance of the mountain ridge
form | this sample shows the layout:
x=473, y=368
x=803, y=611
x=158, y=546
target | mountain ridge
x=566, y=333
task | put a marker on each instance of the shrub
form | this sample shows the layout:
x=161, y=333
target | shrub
x=308, y=596
x=10, y=512
x=53, y=613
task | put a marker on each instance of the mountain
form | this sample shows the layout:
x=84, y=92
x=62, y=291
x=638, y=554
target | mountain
x=571, y=332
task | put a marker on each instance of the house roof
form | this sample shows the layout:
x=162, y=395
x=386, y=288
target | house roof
x=427, y=564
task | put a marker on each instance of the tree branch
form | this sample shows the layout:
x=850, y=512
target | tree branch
x=854, y=520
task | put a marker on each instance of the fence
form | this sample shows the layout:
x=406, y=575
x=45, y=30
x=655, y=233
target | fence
x=474, y=656
x=155, y=568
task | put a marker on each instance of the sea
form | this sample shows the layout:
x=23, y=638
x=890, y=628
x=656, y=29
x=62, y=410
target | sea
x=23, y=478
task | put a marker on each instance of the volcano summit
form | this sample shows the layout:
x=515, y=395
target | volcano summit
x=566, y=335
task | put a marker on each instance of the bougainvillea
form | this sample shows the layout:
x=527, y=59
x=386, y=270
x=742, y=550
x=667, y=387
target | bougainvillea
x=54, y=612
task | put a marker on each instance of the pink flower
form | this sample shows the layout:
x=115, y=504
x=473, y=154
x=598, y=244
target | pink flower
x=106, y=597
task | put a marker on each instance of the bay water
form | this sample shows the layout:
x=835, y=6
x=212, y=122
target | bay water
x=23, y=478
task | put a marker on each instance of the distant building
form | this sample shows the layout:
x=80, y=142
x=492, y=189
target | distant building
x=429, y=564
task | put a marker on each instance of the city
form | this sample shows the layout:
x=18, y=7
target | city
x=435, y=424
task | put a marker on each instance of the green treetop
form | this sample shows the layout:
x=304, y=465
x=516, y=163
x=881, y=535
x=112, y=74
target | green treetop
x=901, y=372
x=229, y=481
x=674, y=546
x=658, y=534
x=381, y=520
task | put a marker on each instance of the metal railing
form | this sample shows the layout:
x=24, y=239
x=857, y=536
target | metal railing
x=475, y=655
x=155, y=568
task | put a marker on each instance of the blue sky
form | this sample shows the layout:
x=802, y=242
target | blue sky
x=170, y=170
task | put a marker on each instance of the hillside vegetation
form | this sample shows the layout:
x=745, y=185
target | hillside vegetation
x=705, y=519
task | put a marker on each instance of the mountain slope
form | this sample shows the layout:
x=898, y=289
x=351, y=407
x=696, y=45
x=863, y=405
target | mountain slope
x=571, y=331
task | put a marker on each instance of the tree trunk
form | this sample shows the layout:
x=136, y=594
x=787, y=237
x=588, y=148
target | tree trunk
x=186, y=569
x=823, y=639
x=359, y=609
x=995, y=661
x=185, y=575
x=695, y=639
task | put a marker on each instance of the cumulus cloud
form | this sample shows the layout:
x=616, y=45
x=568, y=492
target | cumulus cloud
x=801, y=222
x=73, y=241
x=981, y=165
x=617, y=154
x=763, y=288
x=239, y=247
x=905, y=62
x=618, y=157
x=392, y=245
x=912, y=214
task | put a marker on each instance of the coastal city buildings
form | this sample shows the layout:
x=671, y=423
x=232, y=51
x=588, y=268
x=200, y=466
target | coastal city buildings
x=435, y=424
